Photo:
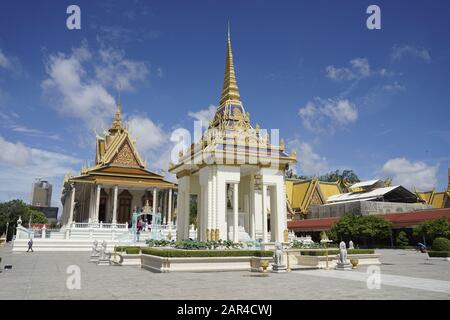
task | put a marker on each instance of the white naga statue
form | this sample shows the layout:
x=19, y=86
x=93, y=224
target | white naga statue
x=104, y=255
x=342, y=253
x=278, y=254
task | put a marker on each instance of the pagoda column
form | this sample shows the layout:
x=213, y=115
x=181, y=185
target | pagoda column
x=235, y=213
x=114, y=217
x=72, y=205
x=169, y=213
x=264, y=213
x=154, y=201
x=97, y=203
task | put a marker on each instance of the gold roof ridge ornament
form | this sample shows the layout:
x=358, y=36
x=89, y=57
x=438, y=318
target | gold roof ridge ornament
x=230, y=90
x=117, y=124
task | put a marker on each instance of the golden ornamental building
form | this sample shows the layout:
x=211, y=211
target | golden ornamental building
x=438, y=200
x=236, y=174
x=116, y=185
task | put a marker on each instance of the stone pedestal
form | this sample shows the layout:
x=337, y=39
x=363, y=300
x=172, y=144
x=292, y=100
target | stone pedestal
x=103, y=262
x=343, y=266
x=279, y=268
x=94, y=258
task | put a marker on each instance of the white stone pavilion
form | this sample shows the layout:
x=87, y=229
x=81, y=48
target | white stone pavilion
x=236, y=173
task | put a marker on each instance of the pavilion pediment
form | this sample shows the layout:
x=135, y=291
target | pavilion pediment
x=125, y=156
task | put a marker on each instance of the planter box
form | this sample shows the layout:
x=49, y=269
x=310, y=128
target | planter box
x=317, y=261
x=255, y=263
x=131, y=259
x=439, y=258
x=320, y=261
x=366, y=259
x=195, y=264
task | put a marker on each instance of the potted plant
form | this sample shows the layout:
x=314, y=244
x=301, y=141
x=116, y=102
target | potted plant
x=354, y=262
x=264, y=265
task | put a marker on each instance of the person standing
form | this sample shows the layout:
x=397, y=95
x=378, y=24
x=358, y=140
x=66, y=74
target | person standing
x=30, y=246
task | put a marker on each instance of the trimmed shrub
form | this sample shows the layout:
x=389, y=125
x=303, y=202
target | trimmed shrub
x=319, y=253
x=206, y=253
x=441, y=244
x=131, y=250
x=124, y=248
x=402, y=239
x=439, y=254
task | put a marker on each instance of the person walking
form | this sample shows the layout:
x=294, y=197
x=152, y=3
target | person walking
x=30, y=246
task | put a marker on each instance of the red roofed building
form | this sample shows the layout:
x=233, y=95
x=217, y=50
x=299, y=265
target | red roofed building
x=399, y=220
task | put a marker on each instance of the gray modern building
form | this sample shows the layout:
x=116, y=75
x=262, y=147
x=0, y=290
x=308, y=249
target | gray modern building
x=41, y=195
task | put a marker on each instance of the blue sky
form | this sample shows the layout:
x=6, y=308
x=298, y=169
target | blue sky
x=343, y=96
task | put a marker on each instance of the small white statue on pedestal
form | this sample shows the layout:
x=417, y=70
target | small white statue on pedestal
x=279, y=266
x=350, y=245
x=343, y=264
x=95, y=253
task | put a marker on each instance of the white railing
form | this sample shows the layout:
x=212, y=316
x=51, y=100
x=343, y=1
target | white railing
x=98, y=225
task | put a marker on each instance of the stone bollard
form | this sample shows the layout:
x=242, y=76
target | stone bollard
x=43, y=231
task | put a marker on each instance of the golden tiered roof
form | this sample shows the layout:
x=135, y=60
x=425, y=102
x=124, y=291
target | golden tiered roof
x=231, y=129
x=230, y=90
x=117, y=160
x=438, y=200
x=302, y=194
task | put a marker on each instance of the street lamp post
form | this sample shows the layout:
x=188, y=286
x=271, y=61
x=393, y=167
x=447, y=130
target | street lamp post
x=325, y=241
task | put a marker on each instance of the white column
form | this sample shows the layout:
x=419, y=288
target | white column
x=166, y=193
x=169, y=213
x=180, y=212
x=154, y=200
x=187, y=209
x=236, y=213
x=72, y=205
x=114, y=218
x=97, y=203
x=264, y=213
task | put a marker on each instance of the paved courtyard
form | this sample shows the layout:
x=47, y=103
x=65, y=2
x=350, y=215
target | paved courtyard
x=404, y=275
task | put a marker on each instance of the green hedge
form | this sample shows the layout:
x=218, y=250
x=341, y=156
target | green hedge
x=125, y=248
x=441, y=244
x=206, y=253
x=318, y=253
x=135, y=250
x=439, y=254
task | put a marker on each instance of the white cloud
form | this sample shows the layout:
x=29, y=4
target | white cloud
x=4, y=61
x=117, y=71
x=400, y=51
x=75, y=91
x=359, y=68
x=394, y=87
x=148, y=135
x=411, y=174
x=204, y=115
x=309, y=162
x=13, y=153
x=21, y=164
x=324, y=115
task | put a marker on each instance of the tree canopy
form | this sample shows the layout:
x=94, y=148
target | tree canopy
x=361, y=229
x=11, y=211
x=432, y=229
x=333, y=176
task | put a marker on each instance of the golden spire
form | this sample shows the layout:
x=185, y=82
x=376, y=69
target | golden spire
x=117, y=122
x=230, y=90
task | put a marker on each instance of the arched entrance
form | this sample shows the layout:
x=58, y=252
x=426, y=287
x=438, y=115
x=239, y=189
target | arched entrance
x=124, y=207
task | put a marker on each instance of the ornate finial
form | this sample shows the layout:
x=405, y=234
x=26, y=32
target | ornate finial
x=230, y=89
x=293, y=154
x=117, y=122
x=282, y=144
x=257, y=128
